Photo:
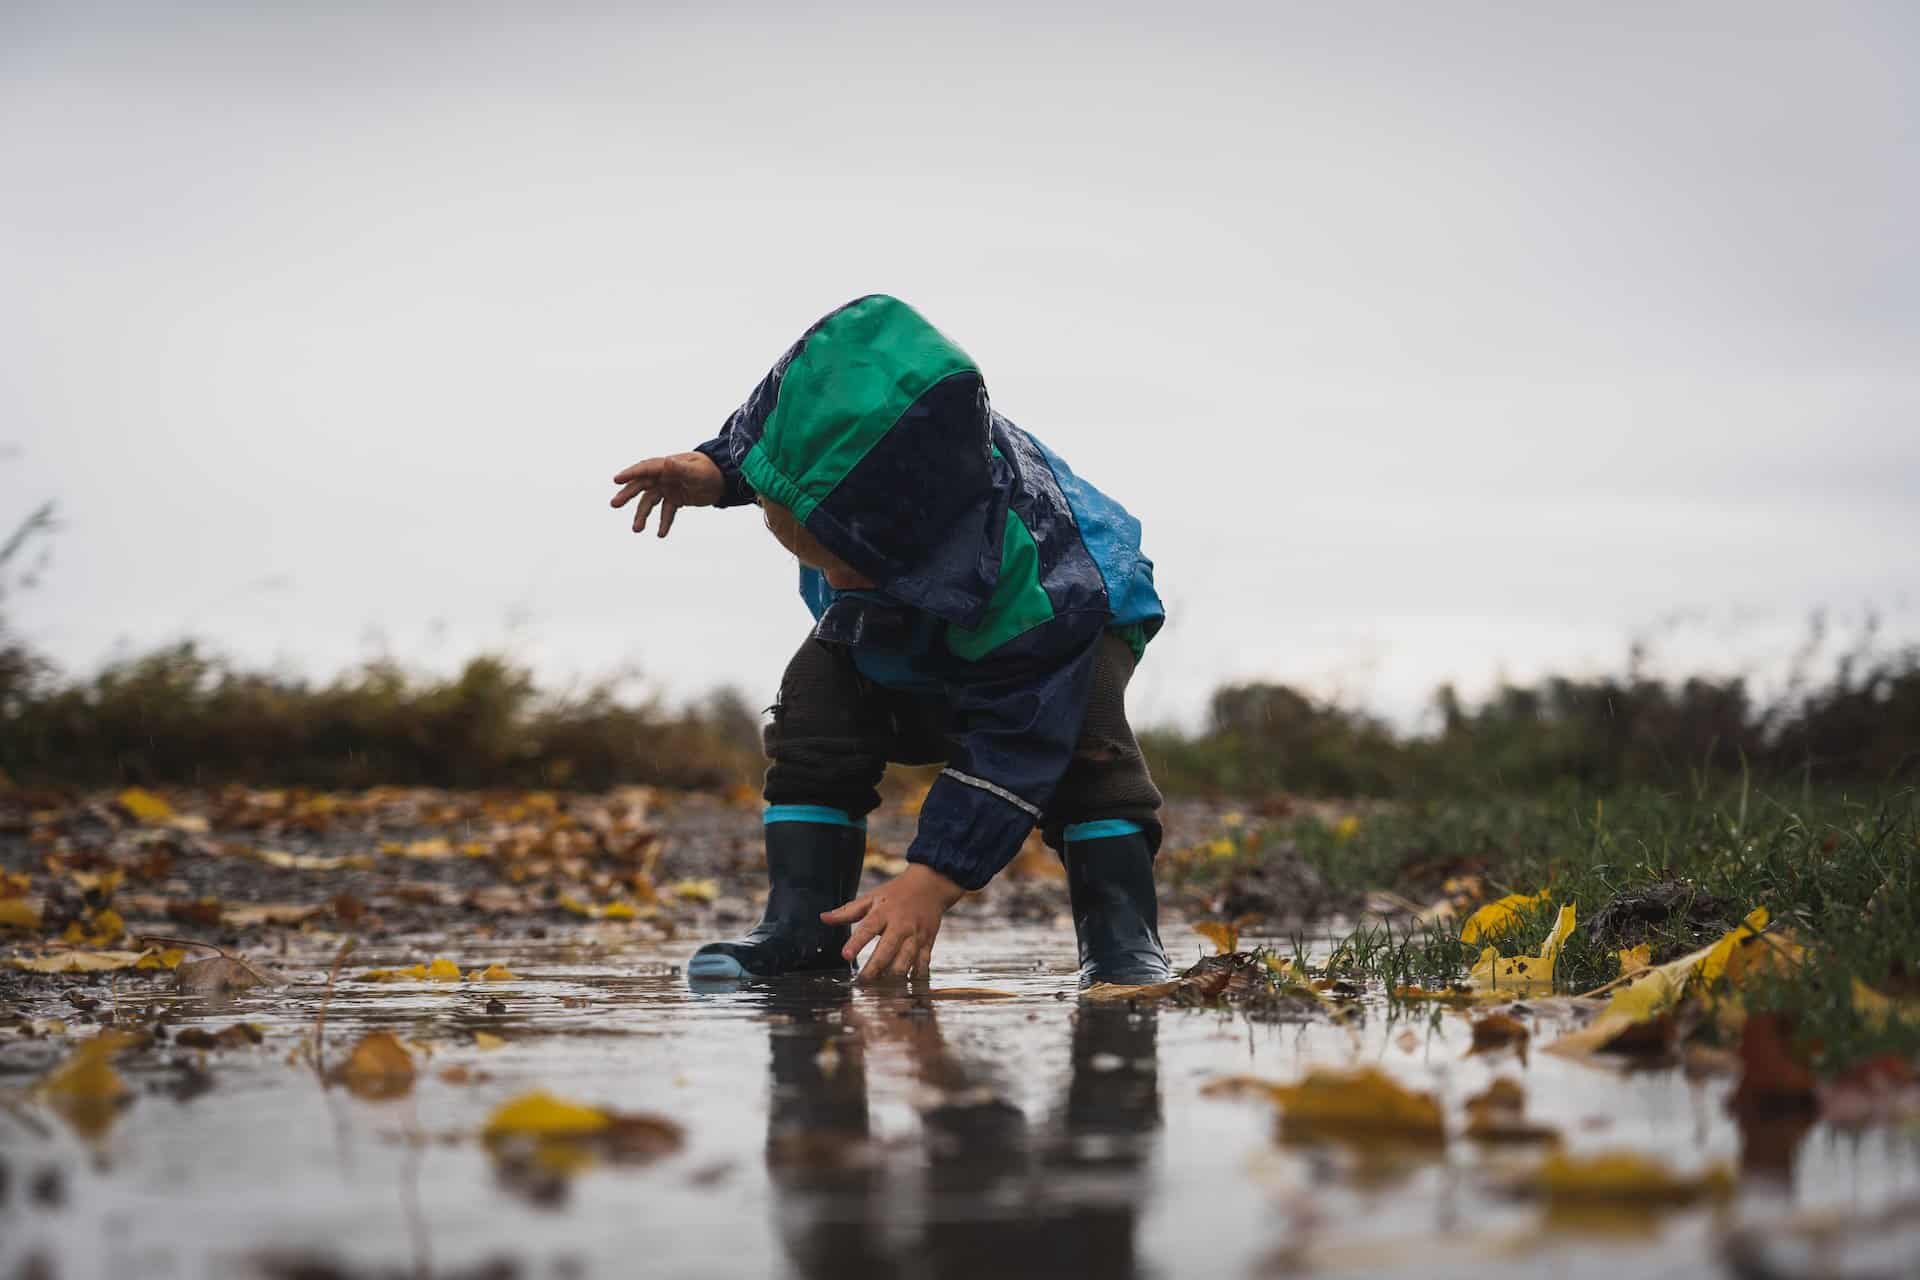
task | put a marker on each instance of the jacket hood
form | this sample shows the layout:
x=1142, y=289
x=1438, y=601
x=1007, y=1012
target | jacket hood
x=876, y=432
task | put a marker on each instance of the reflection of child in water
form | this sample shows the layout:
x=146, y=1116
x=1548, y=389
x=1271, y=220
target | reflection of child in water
x=1003, y=1196
x=976, y=604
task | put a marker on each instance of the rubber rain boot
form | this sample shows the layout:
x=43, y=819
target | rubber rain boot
x=814, y=859
x=1115, y=911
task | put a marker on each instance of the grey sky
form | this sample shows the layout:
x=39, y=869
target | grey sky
x=1428, y=340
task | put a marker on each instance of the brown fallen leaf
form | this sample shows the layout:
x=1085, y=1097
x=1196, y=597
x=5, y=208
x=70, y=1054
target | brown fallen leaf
x=238, y=1036
x=1500, y=1031
x=378, y=1068
x=1773, y=1072
x=1499, y=1116
x=217, y=975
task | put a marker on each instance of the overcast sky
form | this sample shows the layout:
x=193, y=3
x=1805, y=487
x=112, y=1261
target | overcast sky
x=1429, y=341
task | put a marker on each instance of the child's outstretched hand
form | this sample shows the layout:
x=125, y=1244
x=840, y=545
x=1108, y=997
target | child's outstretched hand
x=670, y=483
x=904, y=913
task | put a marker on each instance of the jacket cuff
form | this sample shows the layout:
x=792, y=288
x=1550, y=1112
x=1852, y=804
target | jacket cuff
x=968, y=834
x=737, y=493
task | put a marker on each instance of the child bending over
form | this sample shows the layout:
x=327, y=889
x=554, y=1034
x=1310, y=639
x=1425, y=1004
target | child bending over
x=976, y=604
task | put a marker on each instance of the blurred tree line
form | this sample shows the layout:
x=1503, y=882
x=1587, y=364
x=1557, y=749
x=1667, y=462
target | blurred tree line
x=181, y=714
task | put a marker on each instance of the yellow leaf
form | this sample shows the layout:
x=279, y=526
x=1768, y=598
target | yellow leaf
x=85, y=1089
x=144, y=805
x=568, y=902
x=1221, y=847
x=379, y=1067
x=1714, y=963
x=700, y=890
x=1639, y=957
x=1525, y=975
x=618, y=911
x=541, y=1115
x=102, y=882
x=18, y=913
x=493, y=973
x=1233, y=819
x=1496, y=918
x=412, y=973
x=1225, y=937
x=1345, y=829
x=1366, y=1103
x=1625, y=1177
x=443, y=970
x=1878, y=1010
x=487, y=1040
x=79, y=961
x=170, y=958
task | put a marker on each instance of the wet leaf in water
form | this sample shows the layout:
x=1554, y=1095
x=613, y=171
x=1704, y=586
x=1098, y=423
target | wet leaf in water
x=1773, y=1071
x=1499, y=1116
x=1524, y=975
x=971, y=993
x=487, y=1040
x=238, y=1036
x=1502, y=916
x=1500, y=1031
x=493, y=973
x=541, y=1115
x=85, y=1089
x=18, y=913
x=1364, y=1104
x=1624, y=1178
x=220, y=974
x=378, y=1068
x=79, y=961
x=441, y=970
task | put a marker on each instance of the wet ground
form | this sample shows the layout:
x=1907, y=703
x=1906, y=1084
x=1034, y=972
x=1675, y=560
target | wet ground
x=993, y=1126
x=829, y=1132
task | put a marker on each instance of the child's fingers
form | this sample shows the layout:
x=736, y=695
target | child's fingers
x=848, y=912
x=863, y=933
x=640, y=471
x=645, y=509
x=883, y=955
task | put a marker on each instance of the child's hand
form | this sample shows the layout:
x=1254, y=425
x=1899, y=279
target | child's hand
x=904, y=914
x=670, y=483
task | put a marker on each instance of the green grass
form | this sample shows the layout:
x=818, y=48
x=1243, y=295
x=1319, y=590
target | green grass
x=1835, y=868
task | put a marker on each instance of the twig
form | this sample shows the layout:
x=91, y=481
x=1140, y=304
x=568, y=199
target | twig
x=320, y=1018
x=1605, y=987
x=165, y=941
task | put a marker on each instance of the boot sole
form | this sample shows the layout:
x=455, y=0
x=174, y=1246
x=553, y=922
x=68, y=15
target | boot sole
x=715, y=966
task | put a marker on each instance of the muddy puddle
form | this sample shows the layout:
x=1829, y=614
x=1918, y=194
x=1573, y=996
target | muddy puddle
x=828, y=1132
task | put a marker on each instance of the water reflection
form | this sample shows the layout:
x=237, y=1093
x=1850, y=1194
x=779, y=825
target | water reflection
x=986, y=1189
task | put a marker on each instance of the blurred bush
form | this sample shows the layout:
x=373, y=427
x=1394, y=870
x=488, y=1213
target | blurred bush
x=180, y=715
x=1861, y=725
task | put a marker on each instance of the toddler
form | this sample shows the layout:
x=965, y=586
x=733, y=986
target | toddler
x=977, y=605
